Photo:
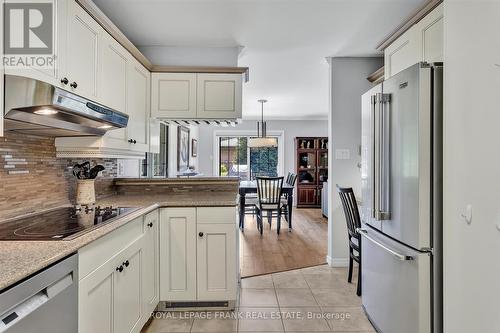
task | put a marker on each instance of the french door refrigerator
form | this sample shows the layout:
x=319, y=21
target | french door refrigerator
x=402, y=201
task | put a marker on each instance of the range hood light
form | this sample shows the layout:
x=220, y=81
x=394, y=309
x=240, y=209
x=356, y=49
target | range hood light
x=46, y=112
x=105, y=126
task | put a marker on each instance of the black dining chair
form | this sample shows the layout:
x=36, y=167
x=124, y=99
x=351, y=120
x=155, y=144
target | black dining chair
x=353, y=222
x=290, y=180
x=269, y=191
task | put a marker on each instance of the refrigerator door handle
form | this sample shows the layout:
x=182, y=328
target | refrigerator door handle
x=397, y=255
x=382, y=147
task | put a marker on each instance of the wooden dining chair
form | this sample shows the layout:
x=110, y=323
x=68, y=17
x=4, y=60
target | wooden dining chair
x=269, y=191
x=353, y=220
x=290, y=180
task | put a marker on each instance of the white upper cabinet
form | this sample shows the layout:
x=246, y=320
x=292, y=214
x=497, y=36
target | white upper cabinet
x=138, y=105
x=219, y=96
x=113, y=74
x=82, y=60
x=430, y=30
x=422, y=42
x=173, y=95
x=196, y=96
x=402, y=53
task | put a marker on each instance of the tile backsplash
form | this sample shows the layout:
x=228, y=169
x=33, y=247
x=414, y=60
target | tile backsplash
x=32, y=178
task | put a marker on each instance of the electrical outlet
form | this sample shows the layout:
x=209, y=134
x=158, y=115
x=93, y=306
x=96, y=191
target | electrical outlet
x=342, y=154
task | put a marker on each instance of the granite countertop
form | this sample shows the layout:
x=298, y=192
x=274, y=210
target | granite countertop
x=20, y=259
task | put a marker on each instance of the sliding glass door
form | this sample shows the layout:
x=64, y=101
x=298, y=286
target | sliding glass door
x=238, y=160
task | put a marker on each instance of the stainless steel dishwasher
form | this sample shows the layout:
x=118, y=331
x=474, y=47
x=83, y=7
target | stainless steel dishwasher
x=45, y=302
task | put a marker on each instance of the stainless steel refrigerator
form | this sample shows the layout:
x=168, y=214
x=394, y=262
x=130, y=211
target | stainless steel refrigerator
x=402, y=201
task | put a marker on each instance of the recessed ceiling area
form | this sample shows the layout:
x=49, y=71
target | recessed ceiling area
x=284, y=42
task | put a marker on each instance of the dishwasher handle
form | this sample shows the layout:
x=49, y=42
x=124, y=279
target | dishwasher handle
x=397, y=255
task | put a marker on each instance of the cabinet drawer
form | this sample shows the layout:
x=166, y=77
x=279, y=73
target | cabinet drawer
x=216, y=215
x=100, y=251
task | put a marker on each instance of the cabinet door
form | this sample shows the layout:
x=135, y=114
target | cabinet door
x=307, y=196
x=151, y=264
x=95, y=301
x=216, y=265
x=178, y=254
x=138, y=101
x=173, y=95
x=1, y=73
x=52, y=72
x=127, y=301
x=402, y=53
x=113, y=74
x=219, y=96
x=430, y=30
x=82, y=51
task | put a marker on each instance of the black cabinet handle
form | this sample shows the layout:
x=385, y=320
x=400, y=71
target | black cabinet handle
x=126, y=263
x=150, y=224
x=132, y=141
x=64, y=80
x=73, y=85
x=119, y=269
x=200, y=234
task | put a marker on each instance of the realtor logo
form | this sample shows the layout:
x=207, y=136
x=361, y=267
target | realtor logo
x=28, y=28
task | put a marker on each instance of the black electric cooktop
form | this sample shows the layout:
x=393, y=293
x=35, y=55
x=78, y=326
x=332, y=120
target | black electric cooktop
x=60, y=224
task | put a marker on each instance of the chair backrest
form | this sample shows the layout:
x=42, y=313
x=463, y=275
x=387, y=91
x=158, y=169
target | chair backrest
x=269, y=190
x=291, y=179
x=350, y=210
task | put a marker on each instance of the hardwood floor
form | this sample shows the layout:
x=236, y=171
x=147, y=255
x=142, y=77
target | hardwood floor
x=305, y=246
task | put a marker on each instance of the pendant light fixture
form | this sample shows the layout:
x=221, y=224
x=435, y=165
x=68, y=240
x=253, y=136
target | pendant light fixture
x=262, y=140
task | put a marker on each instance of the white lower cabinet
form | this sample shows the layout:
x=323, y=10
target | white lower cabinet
x=151, y=263
x=119, y=279
x=216, y=264
x=178, y=254
x=110, y=297
x=198, y=254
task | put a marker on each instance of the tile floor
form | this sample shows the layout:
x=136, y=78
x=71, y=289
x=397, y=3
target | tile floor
x=315, y=299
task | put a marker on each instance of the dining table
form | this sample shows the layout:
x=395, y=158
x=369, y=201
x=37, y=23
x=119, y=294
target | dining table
x=250, y=186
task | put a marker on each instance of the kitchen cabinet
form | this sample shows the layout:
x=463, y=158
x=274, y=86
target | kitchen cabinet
x=110, y=296
x=1, y=75
x=219, y=96
x=198, y=254
x=151, y=263
x=422, y=42
x=82, y=45
x=113, y=74
x=178, y=254
x=119, y=278
x=196, y=96
x=173, y=95
x=138, y=105
x=430, y=30
x=51, y=74
x=216, y=266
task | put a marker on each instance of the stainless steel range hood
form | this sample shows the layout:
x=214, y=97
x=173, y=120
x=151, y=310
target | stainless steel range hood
x=38, y=108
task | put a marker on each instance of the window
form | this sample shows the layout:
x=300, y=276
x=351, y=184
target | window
x=237, y=159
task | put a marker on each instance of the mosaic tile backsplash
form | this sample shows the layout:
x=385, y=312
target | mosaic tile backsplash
x=32, y=178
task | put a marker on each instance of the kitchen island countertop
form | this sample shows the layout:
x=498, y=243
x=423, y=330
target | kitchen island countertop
x=21, y=259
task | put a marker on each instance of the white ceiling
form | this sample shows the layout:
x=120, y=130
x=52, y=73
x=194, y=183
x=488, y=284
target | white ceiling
x=285, y=41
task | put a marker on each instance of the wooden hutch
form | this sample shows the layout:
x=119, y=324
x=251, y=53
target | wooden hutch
x=312, y=170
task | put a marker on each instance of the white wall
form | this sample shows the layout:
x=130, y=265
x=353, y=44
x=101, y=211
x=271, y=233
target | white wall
x=471, y=166
x=291, y=128
x=191, y=56
x=347, y=83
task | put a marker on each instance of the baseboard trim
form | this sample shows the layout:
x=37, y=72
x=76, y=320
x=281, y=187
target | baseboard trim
x=337, y=262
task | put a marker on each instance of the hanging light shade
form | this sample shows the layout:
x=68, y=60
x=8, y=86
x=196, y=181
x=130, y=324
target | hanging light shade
x=262, y=140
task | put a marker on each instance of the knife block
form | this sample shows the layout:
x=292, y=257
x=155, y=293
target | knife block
x=85, y=192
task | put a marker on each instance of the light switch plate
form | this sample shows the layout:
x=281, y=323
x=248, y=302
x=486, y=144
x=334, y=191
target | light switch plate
x=342, y=154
